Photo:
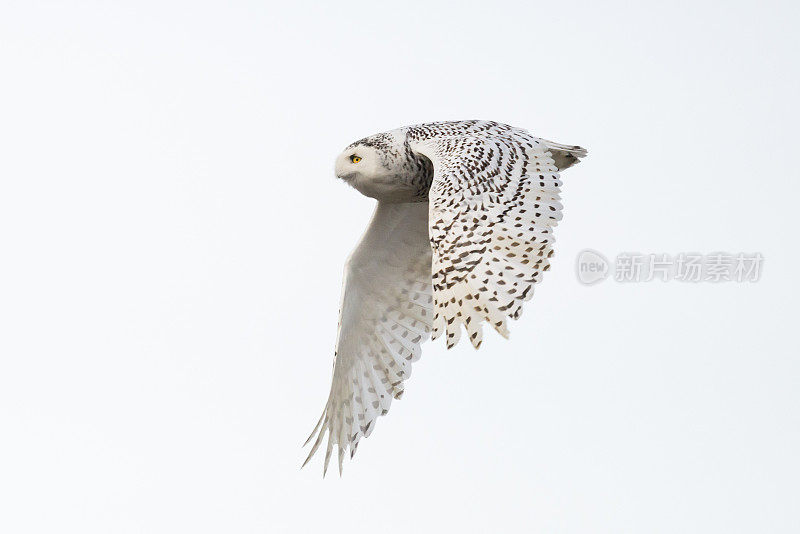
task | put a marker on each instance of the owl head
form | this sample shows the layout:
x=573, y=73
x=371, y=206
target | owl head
x=377, y=169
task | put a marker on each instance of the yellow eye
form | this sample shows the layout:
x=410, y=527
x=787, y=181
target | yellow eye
x=355, y=159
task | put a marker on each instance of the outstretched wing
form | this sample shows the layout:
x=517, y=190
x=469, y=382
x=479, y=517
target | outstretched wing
x=386, y=313
x=493, y=204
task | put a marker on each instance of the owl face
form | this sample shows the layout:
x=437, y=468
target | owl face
x=358, y=163
x=374, y=171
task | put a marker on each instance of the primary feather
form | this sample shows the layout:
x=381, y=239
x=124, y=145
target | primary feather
x=462, y=232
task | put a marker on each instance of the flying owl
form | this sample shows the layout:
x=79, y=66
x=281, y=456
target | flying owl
x=462, y=232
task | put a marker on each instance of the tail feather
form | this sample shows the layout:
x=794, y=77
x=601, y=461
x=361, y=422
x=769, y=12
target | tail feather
x=565, y=155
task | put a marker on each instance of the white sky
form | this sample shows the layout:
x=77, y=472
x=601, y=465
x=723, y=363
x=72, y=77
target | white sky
x=172, y=242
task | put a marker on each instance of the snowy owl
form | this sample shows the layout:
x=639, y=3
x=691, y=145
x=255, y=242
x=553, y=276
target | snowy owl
x=462, y=231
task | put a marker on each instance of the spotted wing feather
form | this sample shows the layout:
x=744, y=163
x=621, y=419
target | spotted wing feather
x=494, y=203
x=386, y=313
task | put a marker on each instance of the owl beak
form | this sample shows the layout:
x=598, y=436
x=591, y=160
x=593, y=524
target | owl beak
x=342, y=169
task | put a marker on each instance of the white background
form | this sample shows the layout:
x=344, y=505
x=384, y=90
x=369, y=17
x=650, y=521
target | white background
x=172, y=241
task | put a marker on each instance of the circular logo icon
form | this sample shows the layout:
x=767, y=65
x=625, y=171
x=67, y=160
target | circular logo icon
x=591, y=267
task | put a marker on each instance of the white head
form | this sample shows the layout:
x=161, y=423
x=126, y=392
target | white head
x=366, y=168
x=378, y=167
